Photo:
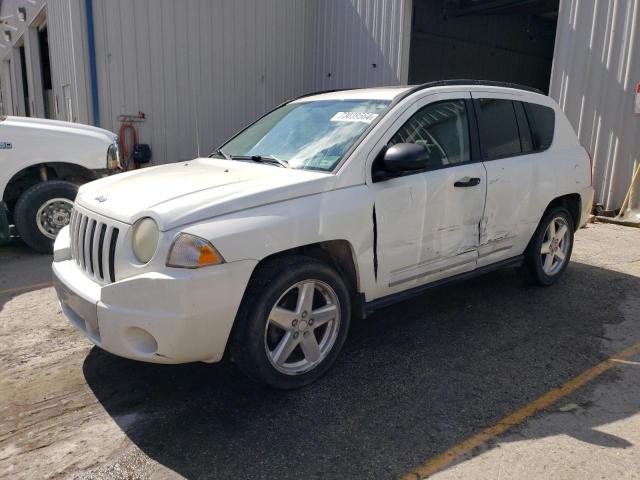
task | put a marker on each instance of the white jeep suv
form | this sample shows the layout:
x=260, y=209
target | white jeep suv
x=329, y=206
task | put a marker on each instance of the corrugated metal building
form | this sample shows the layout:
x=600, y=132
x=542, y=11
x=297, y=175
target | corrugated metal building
x=201, y=69
x=596, y=72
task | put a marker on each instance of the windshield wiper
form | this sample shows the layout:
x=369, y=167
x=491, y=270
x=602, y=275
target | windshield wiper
x=270, y=159
x=255, y=158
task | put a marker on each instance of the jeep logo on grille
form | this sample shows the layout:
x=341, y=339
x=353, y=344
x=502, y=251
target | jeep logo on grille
x=101, y=198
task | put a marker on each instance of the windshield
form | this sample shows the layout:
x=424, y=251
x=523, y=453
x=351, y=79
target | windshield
x=310, y=135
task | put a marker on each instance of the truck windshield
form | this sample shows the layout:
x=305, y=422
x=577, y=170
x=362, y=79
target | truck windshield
x=311, y=135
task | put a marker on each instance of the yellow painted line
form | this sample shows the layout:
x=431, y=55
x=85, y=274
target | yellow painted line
x=454, y=453
x=26, y=288
x=626, y=362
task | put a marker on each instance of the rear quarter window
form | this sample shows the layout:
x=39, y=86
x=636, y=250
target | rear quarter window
x=542, y=121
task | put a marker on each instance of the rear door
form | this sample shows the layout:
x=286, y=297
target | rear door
x=427, y=221
x=516, y=175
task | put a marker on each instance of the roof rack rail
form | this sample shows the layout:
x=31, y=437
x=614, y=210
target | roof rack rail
x=320, y=92
x=435, y=83
x=463, y=81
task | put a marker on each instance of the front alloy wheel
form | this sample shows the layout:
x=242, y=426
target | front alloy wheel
x=302, y=327
x=292, y=322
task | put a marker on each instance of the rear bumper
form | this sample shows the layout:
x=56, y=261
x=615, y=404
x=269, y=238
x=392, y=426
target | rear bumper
x=171, y=317
x=587, y=196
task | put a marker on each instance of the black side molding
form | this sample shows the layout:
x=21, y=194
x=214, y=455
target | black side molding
x=374, y=305
x=375, y=244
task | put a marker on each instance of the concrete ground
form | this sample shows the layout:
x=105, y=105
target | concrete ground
x=414, y=380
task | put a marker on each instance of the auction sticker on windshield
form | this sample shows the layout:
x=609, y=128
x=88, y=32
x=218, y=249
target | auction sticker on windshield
x=365, y=117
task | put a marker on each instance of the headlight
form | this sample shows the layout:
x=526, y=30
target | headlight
x=145, y=239
x=189, y=251
x=113, y=157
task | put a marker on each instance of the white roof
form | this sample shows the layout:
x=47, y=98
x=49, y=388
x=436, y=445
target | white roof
x=380, y=93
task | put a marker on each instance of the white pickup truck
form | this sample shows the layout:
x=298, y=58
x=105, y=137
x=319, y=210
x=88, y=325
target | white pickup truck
x=330, y=205
x=42, y=162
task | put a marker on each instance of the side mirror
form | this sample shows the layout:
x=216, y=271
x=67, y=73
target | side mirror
x=405, y=157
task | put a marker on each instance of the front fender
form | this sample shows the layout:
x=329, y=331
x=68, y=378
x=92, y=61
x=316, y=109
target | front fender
x=257, y=233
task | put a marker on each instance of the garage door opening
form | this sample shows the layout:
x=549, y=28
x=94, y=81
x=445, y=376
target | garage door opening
x=45, y=65
x=504, y=40
x=26, y=98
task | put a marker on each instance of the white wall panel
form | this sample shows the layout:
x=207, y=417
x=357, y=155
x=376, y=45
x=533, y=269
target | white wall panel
x=19, y=34
x=595, y=71
x=67, y=43
x=69, y=59
x=354, y=35
x=224, y=61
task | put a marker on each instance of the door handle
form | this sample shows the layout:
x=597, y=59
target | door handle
x=467, y=182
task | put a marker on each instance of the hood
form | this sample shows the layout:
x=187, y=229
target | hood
x=182, y=193
x=59, y=126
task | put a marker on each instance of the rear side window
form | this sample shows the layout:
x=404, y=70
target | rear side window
x=498, y=127
x=542, y=121
x=526, y=141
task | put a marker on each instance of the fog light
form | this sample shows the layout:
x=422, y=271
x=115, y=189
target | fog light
x=141, y=341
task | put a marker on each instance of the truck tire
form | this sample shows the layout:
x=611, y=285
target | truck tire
x=292, y=323
x=549, y=251
x=42, y=211
x=5, y=234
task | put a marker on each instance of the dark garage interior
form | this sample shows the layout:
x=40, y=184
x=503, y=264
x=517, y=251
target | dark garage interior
x=503, y=40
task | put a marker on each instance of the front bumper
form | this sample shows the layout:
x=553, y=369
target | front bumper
x=176, y=316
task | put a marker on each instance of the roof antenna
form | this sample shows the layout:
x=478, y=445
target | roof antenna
x=195, y=112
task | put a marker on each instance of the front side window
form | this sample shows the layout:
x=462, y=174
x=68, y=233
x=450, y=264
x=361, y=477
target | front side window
x=442, y=129
x=498, y=128
x=312, y=135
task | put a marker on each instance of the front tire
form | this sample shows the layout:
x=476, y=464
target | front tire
x=293, y=322
x=548, y=254
x=42, y=211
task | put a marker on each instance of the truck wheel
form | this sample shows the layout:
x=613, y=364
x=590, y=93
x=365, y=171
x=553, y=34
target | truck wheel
x=292, y=323
x=5, y=235
x=548, y=254
x=42, y=211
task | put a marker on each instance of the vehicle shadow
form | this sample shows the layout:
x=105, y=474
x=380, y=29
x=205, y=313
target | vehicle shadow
x=413, y=380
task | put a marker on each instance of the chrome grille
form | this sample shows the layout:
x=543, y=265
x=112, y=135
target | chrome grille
x=93, y=246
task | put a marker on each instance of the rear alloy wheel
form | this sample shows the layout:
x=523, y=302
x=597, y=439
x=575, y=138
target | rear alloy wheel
x=292, y=322
x=550, y=249
x=555, y=246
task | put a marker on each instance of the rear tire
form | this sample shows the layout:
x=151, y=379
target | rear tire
x=292, y=323
x=42, y=211
x=549, y=251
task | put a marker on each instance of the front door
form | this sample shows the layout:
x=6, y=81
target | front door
x=427, y=222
